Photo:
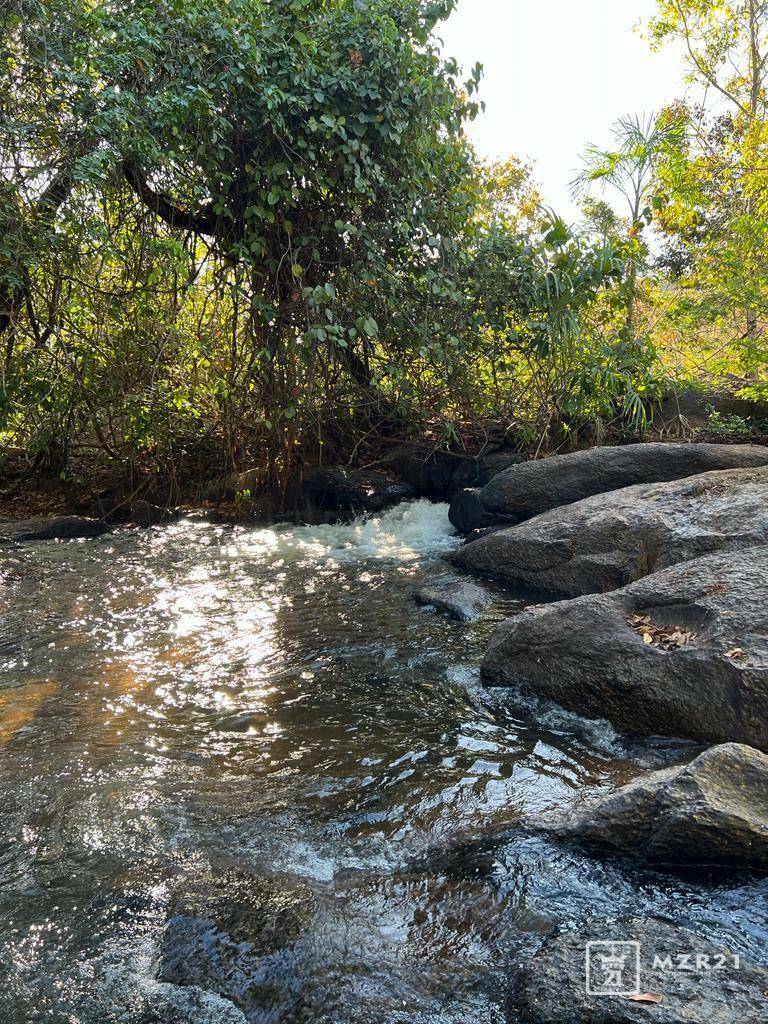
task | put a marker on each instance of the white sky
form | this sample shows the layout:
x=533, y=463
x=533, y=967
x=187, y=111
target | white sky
x=558, y=74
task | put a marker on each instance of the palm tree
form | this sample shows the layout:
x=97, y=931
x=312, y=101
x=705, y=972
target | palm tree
x=629, y=167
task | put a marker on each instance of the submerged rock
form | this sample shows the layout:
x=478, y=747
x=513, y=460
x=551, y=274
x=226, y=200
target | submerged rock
x=534, y=487
x=463, y=601
x=711, y=812
x=171, y=1004
x=610, y=540
x=55, y=528
x=713, y=986
x=682, y=652
x=220, y=929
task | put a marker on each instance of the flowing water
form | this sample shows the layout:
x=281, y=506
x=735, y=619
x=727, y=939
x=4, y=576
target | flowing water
x=221, y=711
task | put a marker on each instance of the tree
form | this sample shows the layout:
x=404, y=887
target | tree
x=716, y=196
x=308, y=156
x=629, y=167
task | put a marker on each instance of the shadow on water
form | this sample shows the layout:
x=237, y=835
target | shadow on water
x=198, y=718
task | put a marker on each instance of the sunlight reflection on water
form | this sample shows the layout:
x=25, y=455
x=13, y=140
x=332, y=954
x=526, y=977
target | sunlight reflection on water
x=182, y=702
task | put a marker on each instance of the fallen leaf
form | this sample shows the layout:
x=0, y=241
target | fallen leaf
x=735, y=653
x=646, y=997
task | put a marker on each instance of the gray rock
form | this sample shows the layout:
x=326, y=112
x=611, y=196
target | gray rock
x=534, y=487
x=715, y=990
x=704, y=673
x=462, y=601
x=467, y=513
x=679, y=412
x=610, y=540
x=711, y=812
x=55, y=528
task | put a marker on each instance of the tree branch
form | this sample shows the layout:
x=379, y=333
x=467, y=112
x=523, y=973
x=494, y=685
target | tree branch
x=202, y=221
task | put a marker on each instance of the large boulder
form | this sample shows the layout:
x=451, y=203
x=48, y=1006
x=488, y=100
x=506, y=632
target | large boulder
x=675, y=976
x=711, y=812
x=55, y=528
x=610, y=540
x=527, y=490
x=682, y=652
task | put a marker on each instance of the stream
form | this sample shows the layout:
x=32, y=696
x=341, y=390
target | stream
x=188, y=708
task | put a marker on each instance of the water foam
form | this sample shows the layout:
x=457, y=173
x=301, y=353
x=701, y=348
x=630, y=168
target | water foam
x=402, y=534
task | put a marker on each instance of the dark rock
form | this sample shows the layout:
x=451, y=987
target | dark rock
x=712, y=812
x=716, y=988
x=462, y=601
x=55, y=528
x=356, y=490
x=144, y=513
x=220, y=928
x=467, y=514
x=439, y=473
x=534, y=487
x=486, y=531
x=610, y=540
x=702, y=673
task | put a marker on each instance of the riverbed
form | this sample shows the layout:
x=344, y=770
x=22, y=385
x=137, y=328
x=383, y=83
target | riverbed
x=193, y=706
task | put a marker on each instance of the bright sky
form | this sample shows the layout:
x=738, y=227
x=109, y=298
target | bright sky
x=558, y=74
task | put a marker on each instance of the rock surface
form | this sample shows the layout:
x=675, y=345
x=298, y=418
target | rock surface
x=715, y=990
x=467, y=513
x=711, y=812
x=144, y=513
x=463, y=601
x=55, y=528
x=524, y=491
x=682, y=652
x=610, y=540
x=438, y=473
x=336, y=488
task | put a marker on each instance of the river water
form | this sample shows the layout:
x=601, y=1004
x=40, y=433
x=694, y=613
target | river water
x=211, y=709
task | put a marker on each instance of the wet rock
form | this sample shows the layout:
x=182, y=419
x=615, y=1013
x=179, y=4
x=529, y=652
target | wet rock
x=467, y=513
x=439, y=473
x=354, y=490
x=462, y=601
x=55, y=528
x=682, y=652
x=610, y=540
x=716, y=988
x=220, y=929
x=711, y=812
x=534, y=487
